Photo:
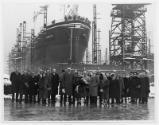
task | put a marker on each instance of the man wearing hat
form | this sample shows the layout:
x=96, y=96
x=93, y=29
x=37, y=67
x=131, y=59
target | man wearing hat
x=54, y=85
x=135, y=87
x=15, y=79
x=145, y=87
x=67, y=85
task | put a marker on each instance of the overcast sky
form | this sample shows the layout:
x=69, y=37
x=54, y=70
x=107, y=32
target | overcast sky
x=15, y=13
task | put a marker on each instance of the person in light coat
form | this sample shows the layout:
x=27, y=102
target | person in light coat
x=93, y=88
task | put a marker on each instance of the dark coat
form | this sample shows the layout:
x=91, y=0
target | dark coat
x=104, y=84
x=67, y=83
x=145, y=86
x=126, y=87
x=121, y=87
x=26, y=79
x=117, y=91
x=114, y=88
x=93, y=86
x=15, y=79
x=31, y=84
x=81, y=87
x=76, y=84
x=54, y=83
x=36, y=80
x=60, y=81
x=34, y=85
x=43, y=87
x=135, y=87
x=22, y=86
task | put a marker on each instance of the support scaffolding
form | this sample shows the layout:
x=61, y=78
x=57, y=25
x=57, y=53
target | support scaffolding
x=94, y=35
x=32, y=46
x=96, y=51
x=23, y=47
x=18, y=53
x=44, y=12
x=128, y=40
x=87, y=56
x=98, y=48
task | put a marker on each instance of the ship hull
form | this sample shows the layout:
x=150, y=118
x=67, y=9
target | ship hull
x=61, y=43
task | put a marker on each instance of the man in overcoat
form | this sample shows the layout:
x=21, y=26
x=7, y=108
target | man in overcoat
x=126, y=88
x=145, y=88
x=60, y=84
x=15, y=79
x=135, y=88
x=113, y=88
x=121, y=88
x=22, y=91
x=93, y=88
x=104, y=88
x=54, y=85
x=67, y=85
x=43, y=87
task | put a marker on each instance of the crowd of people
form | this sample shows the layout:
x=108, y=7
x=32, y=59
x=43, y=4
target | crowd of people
x=77, y=18
x=74, y=86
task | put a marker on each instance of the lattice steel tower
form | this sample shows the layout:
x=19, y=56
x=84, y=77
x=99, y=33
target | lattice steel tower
x=128, y=39
x=94, y=36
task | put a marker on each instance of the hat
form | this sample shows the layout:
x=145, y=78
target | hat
x=135, y=73
x=69, y=68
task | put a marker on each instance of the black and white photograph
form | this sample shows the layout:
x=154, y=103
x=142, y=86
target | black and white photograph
x=78, y=61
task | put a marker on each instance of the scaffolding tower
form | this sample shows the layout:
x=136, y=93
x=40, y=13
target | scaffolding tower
x=94, y=35
x=18, y=52
x=127, y=37
x=32, y=46
x=43, y=11
x=19, y=48
x=87, y=56
x=23, y=47
x=96, y=51
x=98, y=48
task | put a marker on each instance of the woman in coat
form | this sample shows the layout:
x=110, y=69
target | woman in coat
x=126, y=90
x=104, y=88
x=54, y=85
x=43, y=87
x=145, y=88
x=93, y=88
x=15, y=79
x=120, y=88
x=67, y=85
x=113, y=89
x=135, y=87
x=86, y=80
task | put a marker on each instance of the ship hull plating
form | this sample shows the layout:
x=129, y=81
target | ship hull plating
x=61, y=43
